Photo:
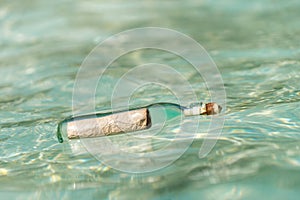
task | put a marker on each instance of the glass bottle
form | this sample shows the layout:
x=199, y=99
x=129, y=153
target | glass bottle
x=134, y=119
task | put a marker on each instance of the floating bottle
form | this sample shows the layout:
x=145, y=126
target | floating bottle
x=135, y=119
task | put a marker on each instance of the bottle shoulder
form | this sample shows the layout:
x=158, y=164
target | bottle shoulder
x=165, y=104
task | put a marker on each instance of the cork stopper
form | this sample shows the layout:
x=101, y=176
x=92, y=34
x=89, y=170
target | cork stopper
x=212, y=108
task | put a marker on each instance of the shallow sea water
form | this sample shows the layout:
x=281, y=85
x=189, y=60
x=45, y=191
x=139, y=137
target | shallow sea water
x=255, y=46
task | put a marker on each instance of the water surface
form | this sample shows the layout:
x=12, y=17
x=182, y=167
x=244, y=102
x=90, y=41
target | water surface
x=256, y=47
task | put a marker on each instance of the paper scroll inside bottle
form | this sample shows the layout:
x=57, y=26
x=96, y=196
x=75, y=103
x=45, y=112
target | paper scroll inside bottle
x=121, y=122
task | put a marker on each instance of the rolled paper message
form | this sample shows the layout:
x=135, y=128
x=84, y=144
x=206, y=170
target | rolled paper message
x=121, y=122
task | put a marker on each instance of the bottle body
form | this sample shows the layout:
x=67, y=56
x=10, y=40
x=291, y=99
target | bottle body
x=103, y=124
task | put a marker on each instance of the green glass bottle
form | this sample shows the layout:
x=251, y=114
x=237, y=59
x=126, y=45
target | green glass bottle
x=134, y=119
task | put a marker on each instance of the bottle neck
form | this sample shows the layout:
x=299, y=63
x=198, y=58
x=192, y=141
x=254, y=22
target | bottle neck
x=194, y=110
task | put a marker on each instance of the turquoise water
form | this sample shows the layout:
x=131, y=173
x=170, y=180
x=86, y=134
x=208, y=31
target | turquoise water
x=256, y=47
